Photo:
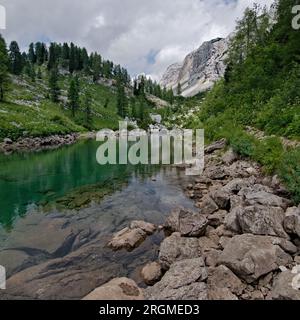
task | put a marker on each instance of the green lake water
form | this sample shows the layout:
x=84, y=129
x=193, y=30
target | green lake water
x=36, y=227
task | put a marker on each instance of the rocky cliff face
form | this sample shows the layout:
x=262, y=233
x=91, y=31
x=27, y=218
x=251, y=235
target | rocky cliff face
x=199, y=70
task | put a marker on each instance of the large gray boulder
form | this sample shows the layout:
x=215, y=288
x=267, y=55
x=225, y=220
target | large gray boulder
x=261, y=220
x=186, y=222
x=254, y=196
x=175, y=248
x=252, y=256
x=183, y=281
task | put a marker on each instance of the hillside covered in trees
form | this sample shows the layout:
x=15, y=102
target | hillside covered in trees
x=60, y=88
x=261, y=90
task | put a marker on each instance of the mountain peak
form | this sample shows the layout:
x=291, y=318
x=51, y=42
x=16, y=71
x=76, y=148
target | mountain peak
x=200, y=68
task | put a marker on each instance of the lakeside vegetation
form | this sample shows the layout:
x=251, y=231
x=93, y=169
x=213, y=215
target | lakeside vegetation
x=261, y=89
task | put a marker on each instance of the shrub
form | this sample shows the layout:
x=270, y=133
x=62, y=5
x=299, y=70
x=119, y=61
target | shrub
x=289, y=171
x=269, y=153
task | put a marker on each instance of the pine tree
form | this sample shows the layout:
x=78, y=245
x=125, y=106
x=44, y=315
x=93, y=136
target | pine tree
x=4, y=76
x=53, y=84
x=29, y=71
x=15, y=57
x=72, y=58
x=96, y=66
x=122, y=102
x=73, y=95
x=41, y=53
x=87, y=108
x=31, y=53
x=179, y=90
x=52, y=59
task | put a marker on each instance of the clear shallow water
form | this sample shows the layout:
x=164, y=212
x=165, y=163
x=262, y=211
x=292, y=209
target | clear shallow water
x=29, y=236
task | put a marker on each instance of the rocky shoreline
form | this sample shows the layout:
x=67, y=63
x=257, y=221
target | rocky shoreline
x=242, y=243
x=9, y=146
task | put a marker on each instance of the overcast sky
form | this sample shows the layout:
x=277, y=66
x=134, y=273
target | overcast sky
x=142, y=35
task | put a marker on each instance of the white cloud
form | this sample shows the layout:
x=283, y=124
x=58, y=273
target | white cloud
x=144, y=36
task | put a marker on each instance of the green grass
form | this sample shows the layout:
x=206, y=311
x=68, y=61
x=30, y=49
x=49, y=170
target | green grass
x=28, y=111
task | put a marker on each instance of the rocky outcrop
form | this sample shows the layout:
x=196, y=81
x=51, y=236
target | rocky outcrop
x=199, y=70
x=39, y=143
x=117, y=289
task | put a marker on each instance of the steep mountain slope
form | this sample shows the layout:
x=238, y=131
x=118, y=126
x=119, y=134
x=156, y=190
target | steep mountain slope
x=199, y=70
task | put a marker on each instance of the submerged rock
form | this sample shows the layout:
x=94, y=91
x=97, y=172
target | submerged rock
x=127, y=239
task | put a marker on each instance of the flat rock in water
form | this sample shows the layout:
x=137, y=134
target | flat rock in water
x=127, y=239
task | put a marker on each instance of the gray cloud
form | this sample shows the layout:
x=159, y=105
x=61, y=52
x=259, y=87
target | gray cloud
x=144, y=36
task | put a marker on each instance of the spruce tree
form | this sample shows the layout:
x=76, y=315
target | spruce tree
x=179, y=90
x=4, y=76
x=15, y=57
x=52, y=60
x=31, y=53
x=122, y=103
x=72, y=58
x=87, y=108
x=73, y=95
x=53, y=84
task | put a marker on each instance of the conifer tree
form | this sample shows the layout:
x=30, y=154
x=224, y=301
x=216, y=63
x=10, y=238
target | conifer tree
x=15, y=57
x=87, y=108
x=53, y=84
x=31, y=53
x=4, y=76
x=179, y=90
x=122, y=103
x=73, y=95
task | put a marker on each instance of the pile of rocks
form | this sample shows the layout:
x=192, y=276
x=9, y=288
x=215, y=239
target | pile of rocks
x=39, y=143
x=243, y=242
